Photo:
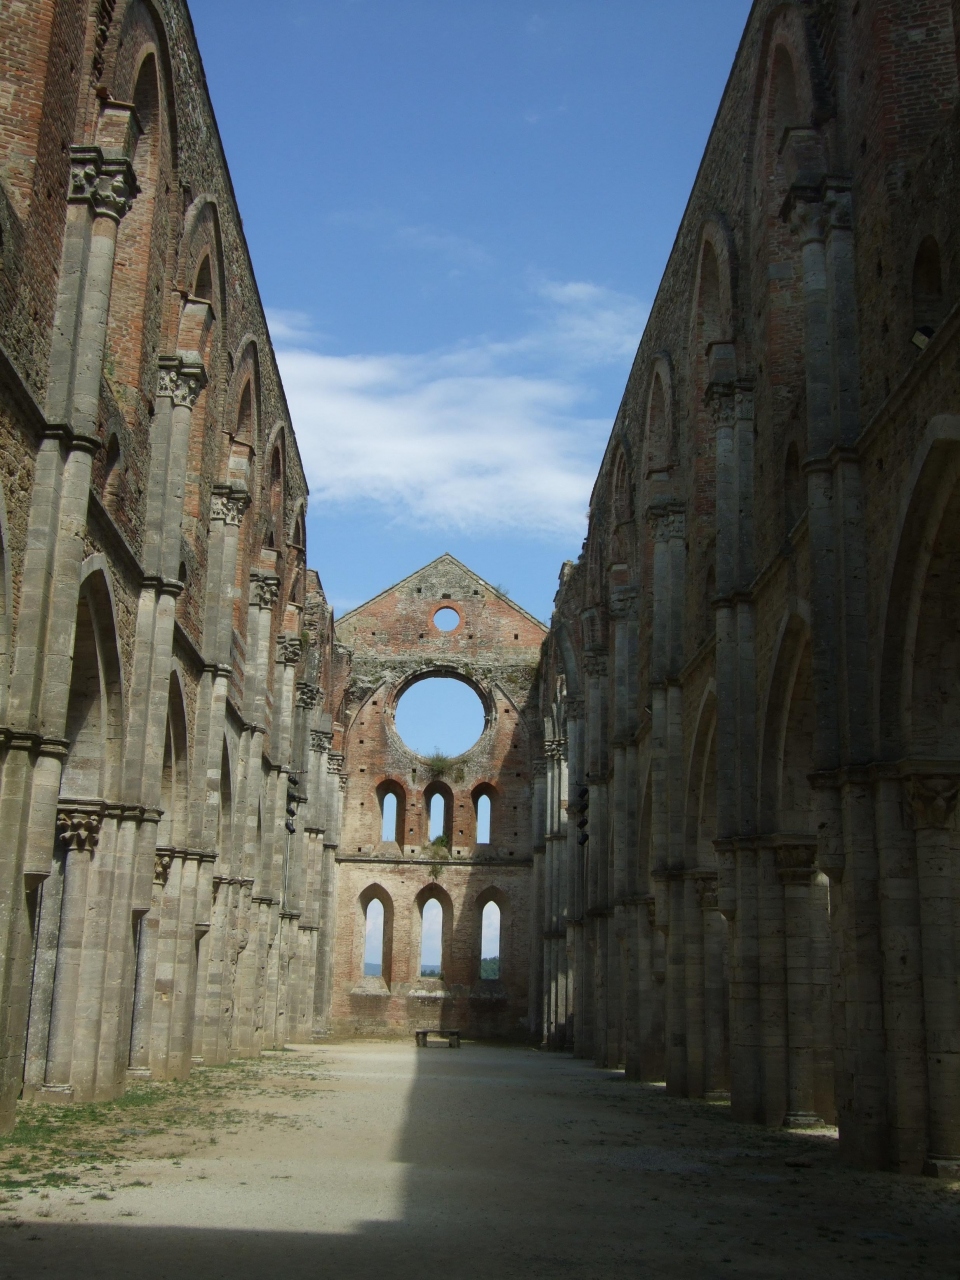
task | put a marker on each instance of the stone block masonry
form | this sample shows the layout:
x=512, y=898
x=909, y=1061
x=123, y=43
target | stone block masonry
x=752, y=866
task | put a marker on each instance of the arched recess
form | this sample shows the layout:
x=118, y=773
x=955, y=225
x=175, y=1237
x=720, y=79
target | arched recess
x=784, y=104
x=442, y=792
x=484, y=797
x=492, y=897
x=622, y=487
x=927, y=290
x=701, y=808
x=225, y=824
x=713, y=360
x=659, y=442
x=94, y=726
x=787, y=747
x=139, y=74
x=788, y=813
x=390, y=787
x=375, y=893
x=930, y=495
x=920, y=725
x=172, y=832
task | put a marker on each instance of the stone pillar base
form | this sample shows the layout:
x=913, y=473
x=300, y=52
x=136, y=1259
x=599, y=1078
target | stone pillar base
x=946, y=1167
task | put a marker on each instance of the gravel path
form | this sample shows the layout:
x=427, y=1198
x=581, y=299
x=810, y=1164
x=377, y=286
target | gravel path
x=377, y=1160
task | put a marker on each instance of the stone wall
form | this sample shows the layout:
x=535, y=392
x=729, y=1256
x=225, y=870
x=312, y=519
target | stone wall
x=752, y=878
x=391, y=643
x=162, y=727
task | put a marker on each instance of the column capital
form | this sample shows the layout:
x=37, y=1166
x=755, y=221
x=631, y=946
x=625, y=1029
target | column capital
x=320, y=740
x=228, y=503
x=595, y=665
x=181, y=378
x=667, y=522
x=264, y=590
x=625, y=604
x=308, y=695
x=78, y=826
x=107, y=184
x=289, y=649
x=932, y=798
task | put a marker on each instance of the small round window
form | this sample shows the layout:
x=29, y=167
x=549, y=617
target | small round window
x=446, y=619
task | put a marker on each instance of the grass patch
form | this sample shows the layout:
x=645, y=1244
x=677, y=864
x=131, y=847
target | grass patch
x=61, y=1146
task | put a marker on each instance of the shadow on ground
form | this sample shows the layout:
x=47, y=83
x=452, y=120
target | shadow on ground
x=512, y=1163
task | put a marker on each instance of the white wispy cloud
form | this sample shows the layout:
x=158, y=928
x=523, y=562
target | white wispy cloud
x=484, y=436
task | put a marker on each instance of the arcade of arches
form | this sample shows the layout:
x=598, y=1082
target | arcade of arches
x=709, y=831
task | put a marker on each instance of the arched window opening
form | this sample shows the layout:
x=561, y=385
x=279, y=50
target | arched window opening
x=203, y=288
x=793, y=487
x=299, y=534
x=622, y=504
x=927, y=291
x=134, y=314
x=708, y=312
x=373, y=939
x=431, y=940
x=786, y=113
x=388, y=825
x=245, y=415
x=225, y=816
x=484, y=812
x=111, y=473
x=657, y=446
x=490, y=942
x=438, y=819
x=83, y=767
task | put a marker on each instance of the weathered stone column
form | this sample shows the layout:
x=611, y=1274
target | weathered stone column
x=932, y=796
x=102, y=189
x=716, y=1037
x=903, y=973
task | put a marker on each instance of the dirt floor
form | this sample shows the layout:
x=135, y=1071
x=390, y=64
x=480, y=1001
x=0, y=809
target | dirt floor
x=370, y=1159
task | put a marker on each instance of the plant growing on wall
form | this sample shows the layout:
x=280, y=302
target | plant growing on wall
x=438, y=764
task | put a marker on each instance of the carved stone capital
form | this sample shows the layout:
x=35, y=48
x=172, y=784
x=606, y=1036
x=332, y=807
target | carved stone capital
x=808, y=219
x=539, y=767
x=335, y=761
x=574, y=707
x=796, y=862
x=162, y=863
x=320, y=740
x=839, y=208
x=667, y=523
x=228, y=504
x=264, y=591
x=721, y=403
x=79, y=829
x=595, y=665
x=108, y=185
x=289, y=650
x=308, y=695
x=181, y=381
x=932, y=799
x=625, y=604
x=707, y=891
x=555, y=749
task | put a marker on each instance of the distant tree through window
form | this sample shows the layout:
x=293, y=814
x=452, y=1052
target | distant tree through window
x=490, y=942
x=431, y=941
x=373, y=940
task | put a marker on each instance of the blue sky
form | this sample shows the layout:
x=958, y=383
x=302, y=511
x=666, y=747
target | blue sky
x=459, y=212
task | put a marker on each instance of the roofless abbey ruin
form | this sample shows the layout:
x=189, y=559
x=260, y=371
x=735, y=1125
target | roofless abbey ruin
x=714, y=803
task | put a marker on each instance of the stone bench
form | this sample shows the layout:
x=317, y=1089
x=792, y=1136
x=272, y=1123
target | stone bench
x=452, y=1038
